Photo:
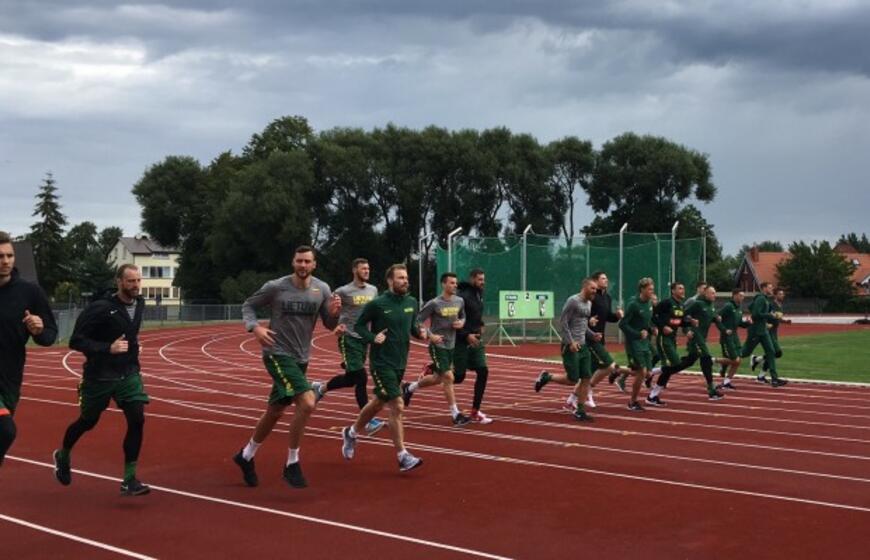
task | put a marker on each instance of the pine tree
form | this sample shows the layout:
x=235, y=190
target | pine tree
x=46, y=236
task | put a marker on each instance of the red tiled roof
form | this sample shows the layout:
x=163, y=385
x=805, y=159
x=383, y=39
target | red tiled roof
x=765, y=266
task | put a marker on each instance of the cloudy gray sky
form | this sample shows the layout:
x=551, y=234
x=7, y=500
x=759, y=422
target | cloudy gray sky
x=776, y=92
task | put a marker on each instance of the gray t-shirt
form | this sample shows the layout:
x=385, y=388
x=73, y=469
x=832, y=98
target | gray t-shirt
x=574, y=320
x=442, y=312
x=131, y=310
x=353, y=298
x=294, y=314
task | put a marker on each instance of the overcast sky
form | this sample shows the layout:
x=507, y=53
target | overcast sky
x=776, y=92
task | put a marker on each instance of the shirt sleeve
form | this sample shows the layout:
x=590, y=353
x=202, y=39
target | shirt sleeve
x=41, y=308
x=329, y=321
x=82, y=338
x=260, y=298
x=424, y=315
x=568, y=312
x=624, y=325
x=366, y=316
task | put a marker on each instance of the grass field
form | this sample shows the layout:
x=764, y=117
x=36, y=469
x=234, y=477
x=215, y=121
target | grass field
x=843, y=356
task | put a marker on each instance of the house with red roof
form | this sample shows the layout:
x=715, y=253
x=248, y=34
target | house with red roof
x=760, y=266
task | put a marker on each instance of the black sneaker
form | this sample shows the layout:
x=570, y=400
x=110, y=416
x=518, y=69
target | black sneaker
x=581, y=416
x=635, y=406
x=543, y=379
x=62, y=471
x=133, y=487
x=249, y=473
x=461, y=420
x=293, y=475
x=613, y=375
x=406, y=393
x=655, y=401
x=715, y=396
x=762, y=379
x=730, y=386
x=778, y=382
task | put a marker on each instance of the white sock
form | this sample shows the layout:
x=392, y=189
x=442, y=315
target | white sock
x=250, y=450
x=572, y=398
x=656, y=391
x=589, y=395
x=413, y=386
x=656, y=371
x=454, y=410
x=293, y=456
x=727, y=381
x=352, y=431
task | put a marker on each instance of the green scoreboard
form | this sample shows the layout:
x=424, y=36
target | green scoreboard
x=525, y=305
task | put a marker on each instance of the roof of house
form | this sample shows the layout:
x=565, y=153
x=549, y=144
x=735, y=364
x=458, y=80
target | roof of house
x=765, y=267
x=144, y=246
x=862, y=269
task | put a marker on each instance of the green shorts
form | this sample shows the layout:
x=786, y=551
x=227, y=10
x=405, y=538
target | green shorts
x=467, y=357
x=353, y=352
x=94, y=395
x=442, y=359
x=599, y=356
x=288, y=378
x=730, y=346
x=8, y=402
x=388, y=383
x=578, y=365
x=667, y=350
x=639, y=357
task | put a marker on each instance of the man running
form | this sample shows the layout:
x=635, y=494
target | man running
x=773, y=329
x=24, y=314
x=446, y=315
x=107, y=333
x=730, y=319
x=669, y=317
x=573, y=324
x=393, y=316
x=469, y=352
x=703, y=311
x=638, y=329
x=295, y=302
x=603, y=363
x=354, y=296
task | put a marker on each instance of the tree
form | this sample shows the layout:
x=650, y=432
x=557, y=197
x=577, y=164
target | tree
x=763, y=246
x=816, y=271
x=46, y=235
x=285, y=134
x=572, y=166
x=81, y=240
x=642, y=180
x=862, y=244
x=108, y=238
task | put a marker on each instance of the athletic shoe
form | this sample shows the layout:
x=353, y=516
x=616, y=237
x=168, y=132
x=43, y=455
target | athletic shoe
x=581, y=416
x=480, y=418
x=635, y=406
x=248, y=471
x=348, y=444
x=62, y=471
x=317, y=387
x=133, y=487
x=294, y=477
x=570, y=404
x=715, y=396
x=613, y=375
x=754, y=361
x=374, y=426
x=648, y=381
x=762, y=379
x=620, y=383
x=406, y=393
x=590, y=401
x=729, y=386
x=409, y=462
x=655, y=401
x=461, y=420
x=543, y=379
x=779, y=382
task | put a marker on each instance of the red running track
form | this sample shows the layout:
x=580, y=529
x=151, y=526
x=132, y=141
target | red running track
x=766, y=473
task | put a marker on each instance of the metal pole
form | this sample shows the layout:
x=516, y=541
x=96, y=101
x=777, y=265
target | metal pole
x=704, y=249
x=450, y=248
x=674, y=251
x=588, y=256
x=420, y=248
x=621, y=304
x=524, y=272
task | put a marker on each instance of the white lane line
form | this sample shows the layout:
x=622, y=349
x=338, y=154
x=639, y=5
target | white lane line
x=308, y=518
x=70, y=536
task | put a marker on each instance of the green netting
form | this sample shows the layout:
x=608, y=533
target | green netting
x=558, y=265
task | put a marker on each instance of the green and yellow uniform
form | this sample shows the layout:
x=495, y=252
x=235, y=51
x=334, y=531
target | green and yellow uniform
x=668, y=313
x=638, y=318
x=397, y=315
x=730, y=319
x=759, y=333
x=703, y=311
x=773, y=330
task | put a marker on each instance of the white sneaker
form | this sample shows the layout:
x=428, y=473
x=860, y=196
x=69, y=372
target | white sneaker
x=590, y=402
x=480, y=418
x=571, y=404
x=374, y=426
x=408, y=462
x=317, y=387
x=348, y=444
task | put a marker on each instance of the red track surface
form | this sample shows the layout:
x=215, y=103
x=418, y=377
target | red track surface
x=763, y=474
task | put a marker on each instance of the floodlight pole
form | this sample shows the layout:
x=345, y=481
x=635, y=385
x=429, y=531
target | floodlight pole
x=704, y=252
x=421, y=244
x=524, y=275
x=674, y=251
x=621, y=304
x=450, y=237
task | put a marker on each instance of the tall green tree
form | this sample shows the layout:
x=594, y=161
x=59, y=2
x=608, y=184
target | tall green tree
x=643, y=181
x=861, y=244
x=82, y=240
x=573, y=166
x=816, y=271
x=46, y=236
x=108, y=238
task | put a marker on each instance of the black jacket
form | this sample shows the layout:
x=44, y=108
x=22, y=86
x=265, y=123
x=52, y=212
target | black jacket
x=100, y=324
x=16, y=296
x=602, y=308
x=473, y=299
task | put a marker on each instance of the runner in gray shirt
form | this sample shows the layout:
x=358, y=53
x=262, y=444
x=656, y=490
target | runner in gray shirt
x=354, y=296
x=295, y=303
x=574, y=321
x=446, y=315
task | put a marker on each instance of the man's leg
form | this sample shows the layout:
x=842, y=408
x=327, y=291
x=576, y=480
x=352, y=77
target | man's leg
x=94, y=397
x=8, y=431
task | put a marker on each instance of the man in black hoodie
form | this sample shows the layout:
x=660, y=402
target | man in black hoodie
x=469, y=352
x=107, y=333
x=24, y=313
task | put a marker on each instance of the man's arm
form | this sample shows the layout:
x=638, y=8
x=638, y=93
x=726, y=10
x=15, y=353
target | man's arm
x=329, y=320
x=630, y=314
x=260, y=298
x=42, y=309
x=86, y=325
x=568, y=312
x=367, y=315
